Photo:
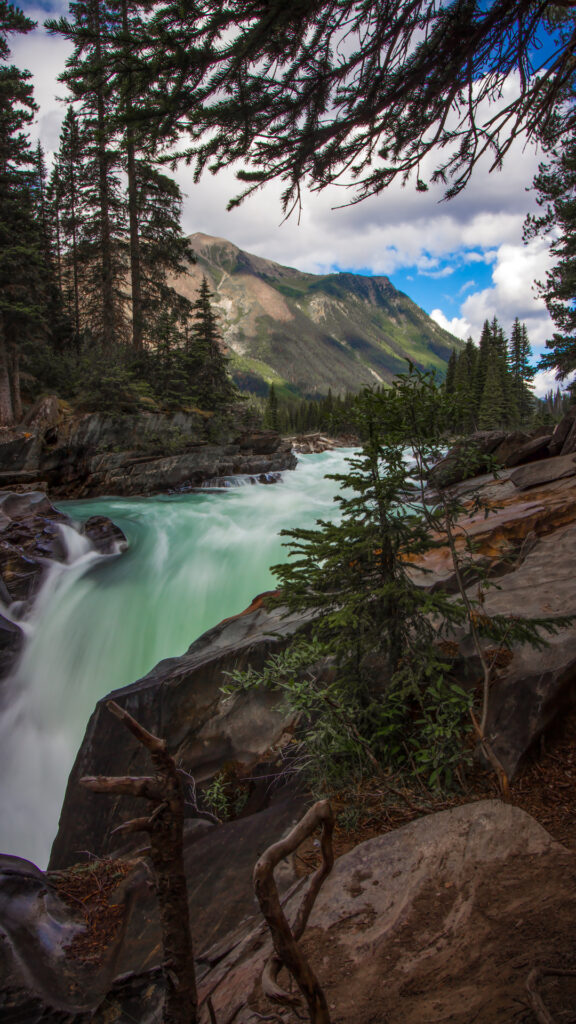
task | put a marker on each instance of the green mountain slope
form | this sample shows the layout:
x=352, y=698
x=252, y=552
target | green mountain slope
x=312, y=332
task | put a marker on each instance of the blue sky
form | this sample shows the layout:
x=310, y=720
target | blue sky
x=462, y=261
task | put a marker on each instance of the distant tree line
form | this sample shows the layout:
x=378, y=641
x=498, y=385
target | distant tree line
x=88, y=251
x=490, y=383
x=290, y=414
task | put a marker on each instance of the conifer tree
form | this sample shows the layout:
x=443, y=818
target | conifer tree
x=521, y=371
x=464, y=391
x=67, y=187
x=305, y=91
x=103, y=211
x=450, y=372
x=211, y=382
x=22, y=281
x=47, y=224
x=164, y=253
x=555, y=186
x=272, y=418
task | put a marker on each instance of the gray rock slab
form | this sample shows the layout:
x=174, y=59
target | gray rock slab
x=179, y=699
x=544, y=471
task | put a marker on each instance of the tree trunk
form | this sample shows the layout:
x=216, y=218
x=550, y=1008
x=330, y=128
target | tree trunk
x=135, y=268
x=108, y=303
x=14, y=375
x=6, y=409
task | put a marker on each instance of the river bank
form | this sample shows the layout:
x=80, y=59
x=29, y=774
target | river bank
x=441, y=919
x=69, y=455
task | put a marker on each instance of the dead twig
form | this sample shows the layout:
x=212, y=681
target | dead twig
x=165, y=828
x=285, y=939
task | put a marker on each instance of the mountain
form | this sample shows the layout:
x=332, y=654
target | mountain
x=310, y=332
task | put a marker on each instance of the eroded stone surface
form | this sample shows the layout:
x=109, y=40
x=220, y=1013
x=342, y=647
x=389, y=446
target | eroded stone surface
x=181, y=699
x=145, y=453
x=439, y=921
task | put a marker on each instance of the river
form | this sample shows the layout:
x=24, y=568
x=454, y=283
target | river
x=100, y=622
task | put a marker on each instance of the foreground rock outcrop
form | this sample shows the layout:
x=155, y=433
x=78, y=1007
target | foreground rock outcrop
x=441, y=920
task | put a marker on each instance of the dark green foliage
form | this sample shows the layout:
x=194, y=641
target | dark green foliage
x=555, y=185
x=312, y=90
x=23, y=269
x=211, y=382
x=489, y=385
x=121, y=246
x=374, y=682
x=102, y=213
x=289, y=414
x=66, y=205
x=271, y=417
x=521, y=372
x=163, y=252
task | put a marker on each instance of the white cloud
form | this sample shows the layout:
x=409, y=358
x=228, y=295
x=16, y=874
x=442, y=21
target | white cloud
x=459, y=326
x=545, y=380
x=45, y=56
x=513, y=292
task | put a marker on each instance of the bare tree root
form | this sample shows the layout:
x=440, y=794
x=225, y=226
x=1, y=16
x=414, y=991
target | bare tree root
x=165, y=827
x=543, y=1016
x=285, y=940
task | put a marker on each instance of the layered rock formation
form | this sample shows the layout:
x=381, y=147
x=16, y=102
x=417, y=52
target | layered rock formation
x=147, y=453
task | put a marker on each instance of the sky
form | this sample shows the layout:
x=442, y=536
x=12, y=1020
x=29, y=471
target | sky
x=462, y=261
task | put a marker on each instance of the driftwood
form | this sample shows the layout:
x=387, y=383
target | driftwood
x=285, y=939
x=165, y=828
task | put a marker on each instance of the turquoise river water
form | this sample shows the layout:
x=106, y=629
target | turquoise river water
x=100, y=622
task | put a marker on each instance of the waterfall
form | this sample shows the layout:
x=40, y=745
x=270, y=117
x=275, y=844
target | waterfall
x=102, y=621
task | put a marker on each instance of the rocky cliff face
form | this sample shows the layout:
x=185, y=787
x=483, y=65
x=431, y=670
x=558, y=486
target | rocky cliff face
x=309, y=331
x=145, y=453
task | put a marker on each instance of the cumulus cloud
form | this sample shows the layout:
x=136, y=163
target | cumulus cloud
x=545, y=381
x=513, y=292
x=458, y=326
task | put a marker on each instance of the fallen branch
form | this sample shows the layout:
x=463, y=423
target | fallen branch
x=285, y=940
x=165, y=827
x=540, y=1012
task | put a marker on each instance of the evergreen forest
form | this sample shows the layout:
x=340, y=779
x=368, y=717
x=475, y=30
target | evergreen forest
x=92, y=244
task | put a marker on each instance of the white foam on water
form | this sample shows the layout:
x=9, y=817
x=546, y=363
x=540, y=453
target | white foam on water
x=101, y=622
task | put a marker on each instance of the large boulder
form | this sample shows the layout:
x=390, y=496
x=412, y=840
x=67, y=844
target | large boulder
x=32, y=535
x=439, y=920
x=472, y=456
x=543, y=472
x=181, y=699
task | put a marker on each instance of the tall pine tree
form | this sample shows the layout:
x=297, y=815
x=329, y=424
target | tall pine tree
x=22, y=268
x=212, y=384
x=103, y=210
